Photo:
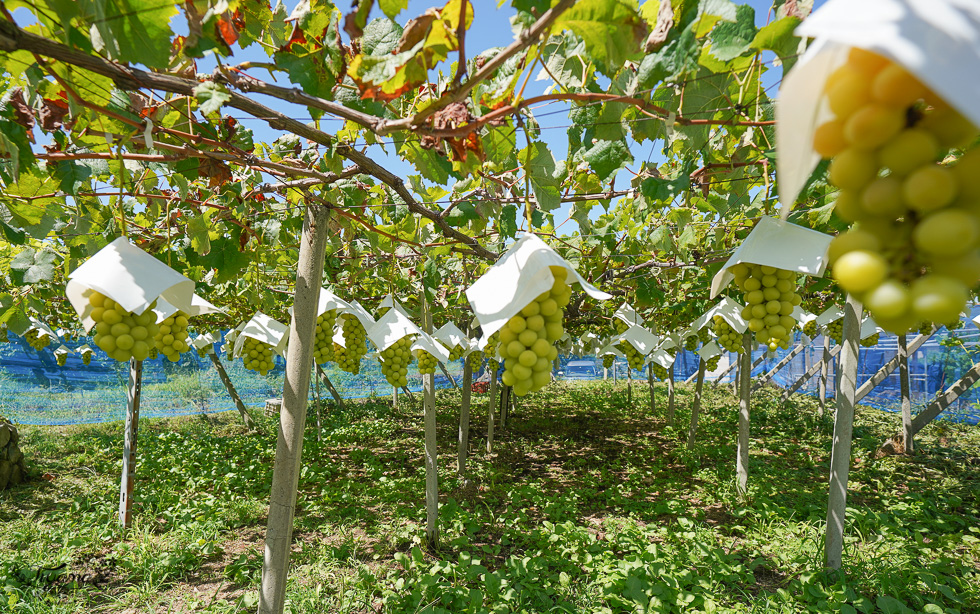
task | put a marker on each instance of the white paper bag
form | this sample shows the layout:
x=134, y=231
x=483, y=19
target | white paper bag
x=62, y=351
x=43, y=330
x=518, y=278
x=627, y=314
x=129, y=276
x=643, y=340
x=662, y=358
x=936, y=40
x=391, y=327
x=709, y=351
x=832, y=314
x=779, y=244
x=391, y=302
x=205, y=342
x=164, y=309
x=730, y=312
x=450, y=336
x=84, y=349
x=354, y=308
x=425, y=342
x=611, y=349
x=266, y=330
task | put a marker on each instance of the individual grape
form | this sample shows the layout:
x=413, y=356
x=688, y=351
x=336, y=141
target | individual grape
x=929, y=188
x=608, y=360
x=847, y=91
x=171, y=337
x=395, y=360
x=527, y=343
x=621, y=327
x=909, y=150
x=873, y=125
x=945, y=233
x=257, y=356
x=883, y=197
x=118, y=332
x=950, y=127
x=848, y=205
x=727, y=337
x=427, y=362
x=938, y=299
x=896, y=87
x=323, y=336
x=633, y=356
x=828, y=139
x=860, y=271
x=349, y=355
x=889, y=300
x=853, y=169
x=769, y=319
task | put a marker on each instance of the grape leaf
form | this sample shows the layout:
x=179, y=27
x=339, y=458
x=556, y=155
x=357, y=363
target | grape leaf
x=610, y=29
x=132, y=31
x=210, y=96
x=391, y=8
x=730, y=40
x=30, y=267
x=607, y=157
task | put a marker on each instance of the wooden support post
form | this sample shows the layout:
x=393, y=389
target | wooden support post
x=445, y=372
x=806, y=376
x=903, y=382
x=890, y=366
x=464, y=418
x=744, y=390
x=840, y=456
x=333, y=391
x=431, y=447
x=762, y=381
x=650, y=382
x=824, y=369
x=292, y=417
x=127, y=485
x=223, y=376
x=491, y=409
x=670, y=394
x=696, y=406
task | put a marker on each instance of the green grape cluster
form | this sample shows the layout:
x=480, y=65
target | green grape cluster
x=36, y=340
x=87, y=358
x=621, y=327
x=958, y=324
x=153, y=354
x=395, y=360
x=608, y=360
x=456, y=352
x=633, y=356
x=704, y=335
x=61, y=359
x=870, y=341
x=171, y=338
x=119, y=333
x=475, y=359
x=202, y=352
x=810, y=328
x=770, y=295
x=660, y=371
x=355, y=339
x=257, y=356
x=835, y=330
x=427, y=362
x=728, y=338
x=712, y=363
x=672, y=351
x=913, y=252
x=691, y=343
x=492, y=342
x=925, y=328
x=527, y=341
x=323, y=343
x=3, y=334
x=493, y=365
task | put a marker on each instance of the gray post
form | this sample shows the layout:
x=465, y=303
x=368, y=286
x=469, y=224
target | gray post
x=491, y=408
x=806, y=376
x=824, y=369
x=762, y=381
x=650, y=382
x=464, y=418
x=223, y=376
x=696, y=407
x=431, y=448
x=292, y=416
x=127, y=484
x=744, y=390
x=903, y=380
x=840, y=457
x=952, y=393
x=670, y=394
x=449, y=376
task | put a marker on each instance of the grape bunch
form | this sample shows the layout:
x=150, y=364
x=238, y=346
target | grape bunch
x=456, y=352
x=61, y=358
x=492, y=342
x=728, y=338
x=704, y=335
x=171, y=338
x=633, y=356
x=3, y=334
x=202, y=352
x=870, y=341
x=770, y=296
x=427, y=362
x=323, y=343
x=118, y=332
x=691, y=343
x=712, y=363
x=835, y=330
x=153, y=354
x=954, y=325
x=36, y=340
x=527, y=341
x=810, y=328
x=355, y=339
x=621, y=326
x=475, y=359
x=672, y=351
x=87, y=357
x=912, y=253
x=394, y=361
x=608, y=360
x=925, y=328
x=257, y=356
x=660, y=371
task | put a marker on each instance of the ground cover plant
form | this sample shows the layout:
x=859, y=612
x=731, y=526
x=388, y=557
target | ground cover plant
x=588, y=503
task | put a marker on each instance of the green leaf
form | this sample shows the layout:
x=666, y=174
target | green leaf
x=210, y=96
x=541, y=168
x=730, y=40
x=225, y=258
x=381, y=36
x=391, y=8
x=607, y=157
x=508, y=221
x=25, y=199
x=71, y=176
x=672, y=61
x=612, y=30
x=12, y=235
x=660, y=239
x=30, y=267
x=197, y=231
x=778, y=37
x=132, y=31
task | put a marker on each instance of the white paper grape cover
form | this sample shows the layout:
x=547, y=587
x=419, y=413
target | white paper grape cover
x=425, y=342
x=450, y=336
x=936, y=40
x=780, y=244
x=129, y=276
x=640, y=338
x=520, y=275
x=611, y=349
x=266, y=330
x=833, y=313
x=62, y=351
x=43, y=330
x=627, y=314
x=709, y=350
x=662, y=358
x=730, y=312
x=354, y=308
x=205, y=341
x=391, y=327
x=84, y=349
x=390, y=301
x=164, y=309
x=869, y=327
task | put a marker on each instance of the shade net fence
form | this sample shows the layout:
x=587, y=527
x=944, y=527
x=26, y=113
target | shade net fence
x=37, y=391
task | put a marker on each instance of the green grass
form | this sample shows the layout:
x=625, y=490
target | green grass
x=589, y=503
